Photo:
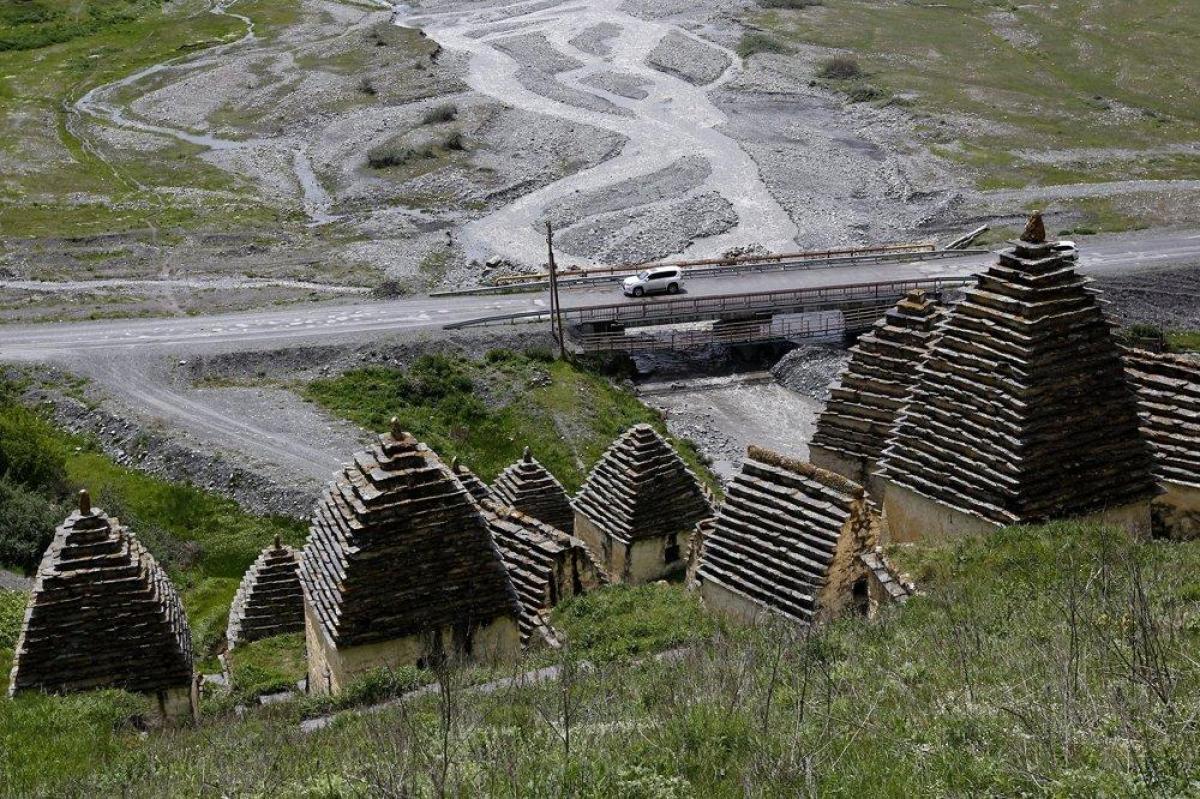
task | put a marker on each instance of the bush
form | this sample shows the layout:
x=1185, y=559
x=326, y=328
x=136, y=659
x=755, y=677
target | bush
x=367, y=87
x=372, y=688
x=754, y=42
x=793, y=4
x=440, y=114
x=31, y=454
x=12, y=613
x=27, y=522
x=840, y=68
x=865, y=94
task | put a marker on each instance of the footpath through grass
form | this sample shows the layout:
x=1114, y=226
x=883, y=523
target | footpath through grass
x=1047, y=661
x=486, y=412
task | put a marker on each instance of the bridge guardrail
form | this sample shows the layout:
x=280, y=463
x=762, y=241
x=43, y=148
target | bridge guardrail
x=565, y=281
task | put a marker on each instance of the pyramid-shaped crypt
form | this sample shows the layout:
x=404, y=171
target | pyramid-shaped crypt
x=637, y=509
x=1021, y=411
x=852, y=430
x=269, y=601
x=527, y=486
x=787, y=539
x=1168, y=388
x=545, y=565
x=475, y=487
x=400, y=569
x=104, y=615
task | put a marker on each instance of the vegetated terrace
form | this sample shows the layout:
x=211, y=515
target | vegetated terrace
x=1051, y=661
x=1104, y=83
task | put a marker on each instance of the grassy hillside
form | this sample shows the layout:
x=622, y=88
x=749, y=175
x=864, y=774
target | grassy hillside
x=486, y=412
x=206, y=542
x=1110, y=85
x=1054, y=661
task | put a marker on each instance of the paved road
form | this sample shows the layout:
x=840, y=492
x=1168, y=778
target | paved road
x=127, y=357
x=363, y=320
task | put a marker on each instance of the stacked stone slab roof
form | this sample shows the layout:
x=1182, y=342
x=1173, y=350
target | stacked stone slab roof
x=1168, y=388
x=102, y=615
x=868, y=396
x=545, y=564
x=470, y=481
x=269, y=601
x=641, y=488
x=779, y=531
x=529, y=487
x=397, y=547
x=1021, y=411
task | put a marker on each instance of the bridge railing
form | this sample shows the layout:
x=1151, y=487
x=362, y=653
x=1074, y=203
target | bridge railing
x=779, y=301
x=748, y=332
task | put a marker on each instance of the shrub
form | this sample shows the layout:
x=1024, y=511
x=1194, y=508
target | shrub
x=12, y=613
x=390, y=154
x=27, y=522
x=754, y=42
x=454, y=142
x=793, y=4
x=31, y=455
x=367, y=87
x=865, y=94
x=439, y=114
x=840, y=67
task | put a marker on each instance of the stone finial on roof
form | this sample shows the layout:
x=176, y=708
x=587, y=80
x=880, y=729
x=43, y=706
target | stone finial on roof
x=396, y=429
x=102, y=614
x=85, y=502
x=1021, y=410
x=470, y=481
x=529, y=487
x=397, y=547
x=1035, y=229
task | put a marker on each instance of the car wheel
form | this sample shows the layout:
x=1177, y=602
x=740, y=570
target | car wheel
x=673, y=288
x=638, y=291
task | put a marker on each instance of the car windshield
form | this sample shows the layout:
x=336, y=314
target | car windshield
x=643, y=275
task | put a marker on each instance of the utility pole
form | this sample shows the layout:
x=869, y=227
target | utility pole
x=555, y=304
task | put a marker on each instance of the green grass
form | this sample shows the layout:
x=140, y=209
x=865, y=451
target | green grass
x=204, y=541
x=623, y=622
x=1183, y=340
x=486, y=412
x=1051, y=661
x=1072, y=85
x=268, y=666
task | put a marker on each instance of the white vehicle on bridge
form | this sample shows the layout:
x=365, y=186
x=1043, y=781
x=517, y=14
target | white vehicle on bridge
x=1066, y=248
x=667, y=279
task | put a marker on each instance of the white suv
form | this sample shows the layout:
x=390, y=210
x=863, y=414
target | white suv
x=662, y=278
